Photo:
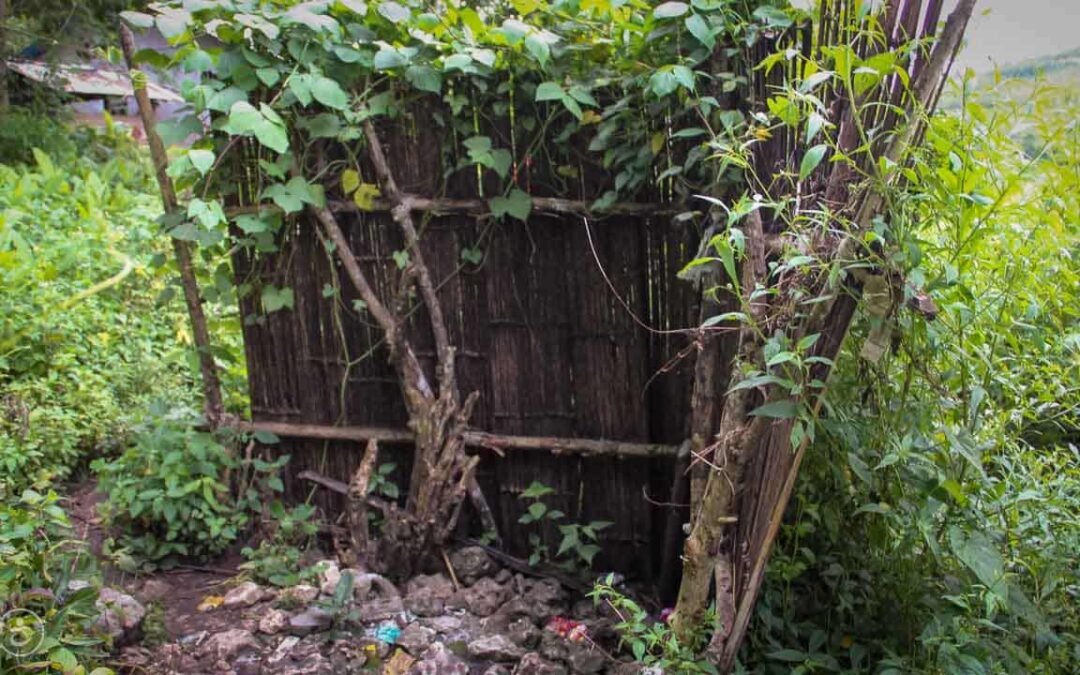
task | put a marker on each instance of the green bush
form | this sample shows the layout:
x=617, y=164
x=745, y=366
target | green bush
x=22, y=130
x=48, y=623
x=168, y=495
x=84, y=340
x=278, y=558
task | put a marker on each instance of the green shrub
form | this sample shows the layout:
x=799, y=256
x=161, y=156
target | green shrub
x=22, y=130
x=43, y=623
x=167, y=493
x=278, y=558
x=76, y=356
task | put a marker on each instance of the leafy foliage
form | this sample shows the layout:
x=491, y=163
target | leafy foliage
x=38, y=558
x=578, y=543
x=85, y=335
x=935, y=525
x=651, y=641
x=170, y=494
x=278, y=558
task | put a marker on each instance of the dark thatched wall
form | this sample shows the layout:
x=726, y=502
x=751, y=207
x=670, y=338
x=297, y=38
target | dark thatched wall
x=539, y=334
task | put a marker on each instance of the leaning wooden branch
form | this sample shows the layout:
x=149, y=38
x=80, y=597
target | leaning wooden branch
x=402, y=214
x=214, y=406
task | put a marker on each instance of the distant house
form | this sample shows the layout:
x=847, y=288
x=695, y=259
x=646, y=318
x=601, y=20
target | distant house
x=98, y=86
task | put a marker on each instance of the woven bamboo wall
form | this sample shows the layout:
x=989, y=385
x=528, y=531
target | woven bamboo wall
x=538, y=332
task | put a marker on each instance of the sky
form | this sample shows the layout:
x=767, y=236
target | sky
x=1007, y=31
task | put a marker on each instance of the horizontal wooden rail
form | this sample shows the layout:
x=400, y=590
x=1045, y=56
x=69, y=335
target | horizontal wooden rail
x=444, y=206
x=479, y=439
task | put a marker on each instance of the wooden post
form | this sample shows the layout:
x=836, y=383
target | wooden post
x=5, y=99
x=214, y=407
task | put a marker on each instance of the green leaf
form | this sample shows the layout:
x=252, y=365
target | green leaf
x=202, y=160
x=700, y=30
x=138, y=19
x=173, y=23
x=268, y=76
x=518, y=204
x=424, y=78
x=811, y=159
x=684, y=76
x=788, y=655
x=389, y=58
x=266, y=437
x=670, y=10
x=274, y=298
x=536, y=490
x=663, y=82
x=550, y=91
x=393, y=12
x=772, y=16
x=63, y=659
x=781, y=409
x=538, y=48
x=330, y=94
x=978, y=552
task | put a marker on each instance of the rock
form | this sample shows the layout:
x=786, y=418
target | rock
x=427, y=594
x=283, y=649
x=376, y=598
x=443, y=624
x=439, y=660
x=244, y=595
x=155, y=589
x=523, y=632
x=546, y=597
x=533, y=664
x=303, y=657
x=495, y=648
x=329, y=577
x=472, y=563
x=121, y=615
x=456, y=629
x=627, y=668
x=497, y=670
x=247, y=664
x=274, y=621
x=484, y=597
x=503, y=576
x=300, y=595
x=346, y=657
x=227, y=645
x=585, y=659
x=311, y=620
x=516, y=608
x=416, y=638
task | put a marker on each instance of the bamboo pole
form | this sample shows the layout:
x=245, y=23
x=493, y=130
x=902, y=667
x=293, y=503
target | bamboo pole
x=479, y=207
x=476, y=439
x=211, y=383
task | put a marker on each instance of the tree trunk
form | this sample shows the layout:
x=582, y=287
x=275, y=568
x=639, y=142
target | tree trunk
x=214, y=406
x=5, y=97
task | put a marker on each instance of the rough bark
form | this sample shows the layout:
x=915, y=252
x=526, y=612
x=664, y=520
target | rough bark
x=214, y=406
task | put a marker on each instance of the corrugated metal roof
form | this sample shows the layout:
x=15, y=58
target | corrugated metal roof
x=87, y=80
